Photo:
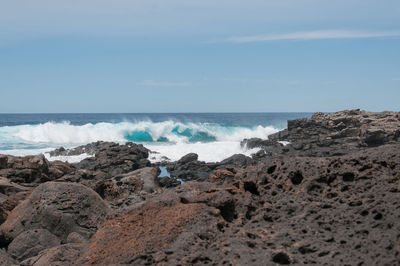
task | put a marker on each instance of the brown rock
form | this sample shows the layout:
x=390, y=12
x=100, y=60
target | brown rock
x=122, y=186
x=31, y=242
x=67, y=254
x=151, y=228
x=61, y=208
x=6, y=259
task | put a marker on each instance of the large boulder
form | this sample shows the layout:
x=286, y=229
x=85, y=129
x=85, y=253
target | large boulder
x=152, y=228
x=67, y=254
x=61, y=208
x=114, y=159
x=31, y=242
x=123, y=186
x=10, y=195
x=28, y=169
x=32, y=170
x=190, y=157
x=237, y=160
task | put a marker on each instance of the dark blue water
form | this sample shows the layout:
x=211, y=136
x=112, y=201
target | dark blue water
x=213, y=136
x=239, y=119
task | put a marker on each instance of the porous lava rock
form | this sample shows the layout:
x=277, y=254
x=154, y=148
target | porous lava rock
x=60, y=208
x=114, y=159
x=337, y=133
x=129, y=188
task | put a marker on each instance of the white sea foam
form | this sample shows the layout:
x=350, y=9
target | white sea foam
x=208, y=152
x=219, y=141
x=70, y=159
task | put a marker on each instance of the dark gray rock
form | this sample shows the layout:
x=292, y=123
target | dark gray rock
x=190, y=157
x=59, y=207
x=114, y=159
x=121, y=187
x=3, y=161
x=6, y=259
x=29, y=243
x=237, y=160
x=67, y=254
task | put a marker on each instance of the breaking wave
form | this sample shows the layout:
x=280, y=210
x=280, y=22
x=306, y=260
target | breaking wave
x=170, y=138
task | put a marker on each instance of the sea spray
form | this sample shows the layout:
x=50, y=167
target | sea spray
x=172, y=139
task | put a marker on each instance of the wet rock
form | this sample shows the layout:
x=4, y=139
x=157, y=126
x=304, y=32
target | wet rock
x=237, y=160
x=258, y=143
x=188, y=158
x=168, y=182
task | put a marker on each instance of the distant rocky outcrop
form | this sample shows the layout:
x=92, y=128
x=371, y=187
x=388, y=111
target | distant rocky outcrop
x=331, y=134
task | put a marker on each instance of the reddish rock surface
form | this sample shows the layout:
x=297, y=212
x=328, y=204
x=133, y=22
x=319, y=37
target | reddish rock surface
x=150, y=229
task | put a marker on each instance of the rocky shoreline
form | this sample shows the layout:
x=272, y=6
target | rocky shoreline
x=325, y=191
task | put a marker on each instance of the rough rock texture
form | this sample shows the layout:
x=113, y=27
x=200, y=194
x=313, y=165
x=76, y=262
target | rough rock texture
x=337, y=133
x=61, y=208
x=150, y=229
x=114, y=159
x=10, y=195
x=331, y=197
x=9, y=188
x=323, y=211
x=31, y=242
x=189, y=168
x=130, y=188
x=58, y=256
x=31, y=170
x=6, y=259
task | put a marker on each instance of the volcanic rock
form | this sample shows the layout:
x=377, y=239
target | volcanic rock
x=339, y=133
x=129, y=186
x=6, y=259
x=31, y=242
x=67, y=254
x=32, y=170
x=59, y=207
x=114, y=159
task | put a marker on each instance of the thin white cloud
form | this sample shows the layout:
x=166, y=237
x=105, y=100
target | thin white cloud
x=153, y=83
x=314, y=35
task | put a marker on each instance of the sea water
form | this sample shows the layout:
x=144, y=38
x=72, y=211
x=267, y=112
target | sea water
x=213, y=136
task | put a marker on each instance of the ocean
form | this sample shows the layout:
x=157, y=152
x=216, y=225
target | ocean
x=213, y=136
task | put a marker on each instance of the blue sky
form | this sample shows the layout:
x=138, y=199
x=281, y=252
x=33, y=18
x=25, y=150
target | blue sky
x=199, y=56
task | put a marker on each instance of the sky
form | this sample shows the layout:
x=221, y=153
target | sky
x=199, y=56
